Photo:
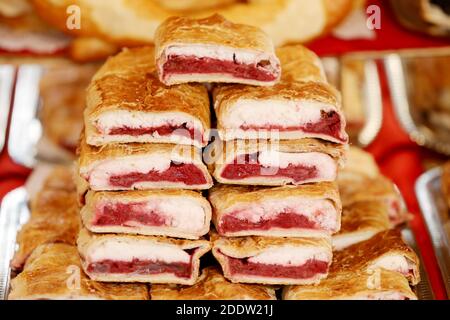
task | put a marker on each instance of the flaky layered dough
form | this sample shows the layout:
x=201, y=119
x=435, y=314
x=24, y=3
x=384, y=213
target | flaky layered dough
x=223, y=197
x=212, y=285
x=362, y=255
x=53, y=216
x=128, y=82
x=90, y=156
x=87, y=239
x=93, y=198
x=53, y=271
x=360, y=165
x=245, y=247
x=360, y=221
x=351, y=284
x=135, y=21
x=221, y=153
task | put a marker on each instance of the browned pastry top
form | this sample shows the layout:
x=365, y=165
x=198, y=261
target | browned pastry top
x=47, y=275
x=213, y=30
x=128, y=81
x=212, y=285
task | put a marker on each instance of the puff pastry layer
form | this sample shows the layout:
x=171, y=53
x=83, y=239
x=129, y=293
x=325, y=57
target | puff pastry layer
x=171, y=213
x=301, y=105
x=53, y=271
x=274, y=163
x=128, y=258
x=312, y=210
x=268, y=260
x=142, y=166
x=127, y=103
x=212, y=285
x=213, y=49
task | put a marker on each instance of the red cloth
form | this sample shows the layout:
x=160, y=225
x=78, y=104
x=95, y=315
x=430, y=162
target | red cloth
x=398, y=157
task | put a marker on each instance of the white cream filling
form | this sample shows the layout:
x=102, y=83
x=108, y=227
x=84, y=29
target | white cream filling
x=344, y=240
x=271, y=112
x=136, y=120
x=290, y=256
x=396, y=263
x=222, y=53
x=122, y=250
x=100, y=174
x=380, y=296
x=322, y=212
x=324, y=164
x=183, y=214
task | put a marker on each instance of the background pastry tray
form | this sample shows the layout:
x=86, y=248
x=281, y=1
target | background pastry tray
x=14, y=212
x=435, y=212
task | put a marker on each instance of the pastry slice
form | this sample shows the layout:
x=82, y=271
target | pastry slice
x=350, y=284
x=268, y=260
x=446, y=182
x=374, y=189
x=142, y=166
x=129, y=104
x=304, y=106
x=213, y=49
x=359, y=164
x=360, y=222
x=212, y=285
x=54, y=272
x=312, y=210
x=171, y=213
x=385, y=250
x=275, y=163
x=128, y=258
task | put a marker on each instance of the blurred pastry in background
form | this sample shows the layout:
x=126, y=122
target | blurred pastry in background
x=133, y=22
x=428, y=16
x=446, y=182
x=63, y=92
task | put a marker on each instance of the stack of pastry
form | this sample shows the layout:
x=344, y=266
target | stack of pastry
x=280, y=141
x=140, y=169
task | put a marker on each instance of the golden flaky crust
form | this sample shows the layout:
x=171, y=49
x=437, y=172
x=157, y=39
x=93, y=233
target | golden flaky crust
x=128, y=82
x=363, y=255
x=212, y=285
x=94, y=199
x=54, y=272
x=446, y=182
x=360, y=221
x=54, y=216
x=214, y=30
x=224, y=197
x=348, y=285
x=133, y=22
x=87, y=239
x=221, y=153
x=360, y=165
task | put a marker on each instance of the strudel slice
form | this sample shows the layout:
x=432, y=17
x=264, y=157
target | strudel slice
x=312, y=210
x=128, y=258
x=212, y=285
x=142, y=166
x=288, y=110
x=275, y=163
x=53, y=271
x=213, y=49
x=127, y=103
x=385, y=250
x=361, y=221
x=161, y=212
x=268, y=260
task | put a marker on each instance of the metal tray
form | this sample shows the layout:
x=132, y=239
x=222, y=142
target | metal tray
x=435, y=213
x=14, y=212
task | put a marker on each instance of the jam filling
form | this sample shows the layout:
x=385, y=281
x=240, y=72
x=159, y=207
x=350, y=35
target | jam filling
x=141, y=267
x=190, y=64
x=123, y=214
x=247, y=166
x=284, y=220
x=308, y=270
x=329, y=125
x=188, y=174
x=166, y=130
